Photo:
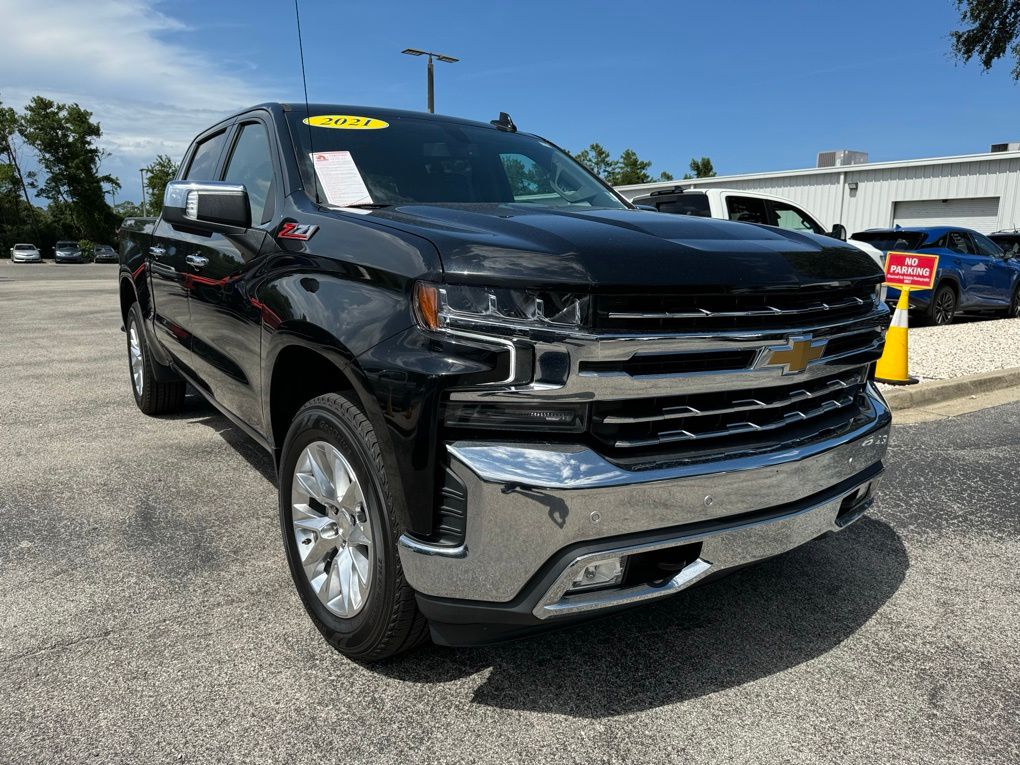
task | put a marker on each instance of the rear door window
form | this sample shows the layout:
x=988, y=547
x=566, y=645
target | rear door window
x=206, y=157
x=959, y=242
x=747, y=210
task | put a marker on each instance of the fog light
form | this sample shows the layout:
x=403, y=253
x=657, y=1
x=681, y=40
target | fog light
x=605, y=573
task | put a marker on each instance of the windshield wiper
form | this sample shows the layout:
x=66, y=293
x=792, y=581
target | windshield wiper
x=369, y=205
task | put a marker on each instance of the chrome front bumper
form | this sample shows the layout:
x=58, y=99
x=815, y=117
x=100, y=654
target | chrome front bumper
x=526, y=503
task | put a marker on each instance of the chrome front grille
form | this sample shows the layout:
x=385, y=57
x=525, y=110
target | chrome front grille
x=667, y=379
x=711, y=419
x=695, y=312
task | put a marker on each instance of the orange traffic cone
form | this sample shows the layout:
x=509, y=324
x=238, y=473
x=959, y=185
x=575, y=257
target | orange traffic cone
x=892, y=367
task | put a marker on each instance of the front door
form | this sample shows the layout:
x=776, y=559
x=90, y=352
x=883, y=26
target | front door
x=995, y=280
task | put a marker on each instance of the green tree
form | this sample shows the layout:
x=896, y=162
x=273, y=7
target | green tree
x=9, y=122
x=65, y=139
x=630, y=168
x=700, y=168
x=18, y=217
x=627, y=168
x=157, y=176
x=598, y=160
x=128, y=210
x=991, y=31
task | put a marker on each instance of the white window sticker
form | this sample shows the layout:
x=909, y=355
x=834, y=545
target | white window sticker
x=340, y=178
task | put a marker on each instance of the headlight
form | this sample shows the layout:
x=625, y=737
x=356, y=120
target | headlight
x=451, y=306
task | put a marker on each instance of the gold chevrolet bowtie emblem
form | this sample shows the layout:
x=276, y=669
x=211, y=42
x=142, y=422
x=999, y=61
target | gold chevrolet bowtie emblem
x=795, y=355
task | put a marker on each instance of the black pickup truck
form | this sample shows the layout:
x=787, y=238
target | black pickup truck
x=498, y=396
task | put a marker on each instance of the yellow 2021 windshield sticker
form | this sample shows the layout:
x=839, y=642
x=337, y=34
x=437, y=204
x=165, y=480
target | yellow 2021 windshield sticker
x=346, y=122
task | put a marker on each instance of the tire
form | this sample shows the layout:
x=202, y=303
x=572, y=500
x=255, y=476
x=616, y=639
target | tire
x=942, y=308
x=153, y=397
x=350, y=529
x=1013, y=312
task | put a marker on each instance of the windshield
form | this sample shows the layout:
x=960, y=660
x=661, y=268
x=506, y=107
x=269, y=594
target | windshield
x=66, y=245
x=413, y=160
x=24, y=247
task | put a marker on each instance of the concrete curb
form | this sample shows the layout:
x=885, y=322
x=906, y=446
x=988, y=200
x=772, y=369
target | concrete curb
x=927, y=394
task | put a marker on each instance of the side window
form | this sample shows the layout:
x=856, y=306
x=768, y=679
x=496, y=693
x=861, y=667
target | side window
x=526, y=177
x=203, y=161
x=986, y=246
x=958, y=242
x=788, y=216
x=251, y=164
x=747, y=210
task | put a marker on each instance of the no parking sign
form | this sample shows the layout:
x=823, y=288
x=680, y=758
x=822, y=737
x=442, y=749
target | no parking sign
x=909, y=269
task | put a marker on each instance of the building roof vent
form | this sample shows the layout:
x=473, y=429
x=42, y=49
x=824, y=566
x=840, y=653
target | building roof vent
x=1011, y=146
x=841, y=157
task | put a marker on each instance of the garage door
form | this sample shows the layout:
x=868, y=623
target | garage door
x=979, y=213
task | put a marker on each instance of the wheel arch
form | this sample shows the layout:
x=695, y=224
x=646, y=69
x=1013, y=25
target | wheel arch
x=128, y=295
x=298, y=370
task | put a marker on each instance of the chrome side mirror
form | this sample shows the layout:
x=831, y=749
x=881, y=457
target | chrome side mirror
x=207, y=206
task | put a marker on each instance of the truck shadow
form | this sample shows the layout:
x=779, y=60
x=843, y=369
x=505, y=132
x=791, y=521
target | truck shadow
x=199, y=411
x=757, y=622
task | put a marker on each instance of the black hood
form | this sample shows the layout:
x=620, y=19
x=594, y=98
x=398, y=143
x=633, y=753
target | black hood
x=591, y=249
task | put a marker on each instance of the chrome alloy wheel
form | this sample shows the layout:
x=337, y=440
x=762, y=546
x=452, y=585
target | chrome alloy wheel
x=332, y=529
x=135, y=357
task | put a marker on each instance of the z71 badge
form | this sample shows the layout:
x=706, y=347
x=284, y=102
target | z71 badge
x=302, y=231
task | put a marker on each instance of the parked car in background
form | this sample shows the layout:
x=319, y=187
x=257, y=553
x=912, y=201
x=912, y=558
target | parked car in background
x=104, y=253
x=974, y=275
x=746, y=207
x=67, y=252
x=25, y=253
x=1009, y=241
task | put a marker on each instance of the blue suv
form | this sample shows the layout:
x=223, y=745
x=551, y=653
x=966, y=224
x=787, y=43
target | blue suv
x=974, y=275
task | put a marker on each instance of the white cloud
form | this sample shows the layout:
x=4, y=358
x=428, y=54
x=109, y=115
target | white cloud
x=128, y=63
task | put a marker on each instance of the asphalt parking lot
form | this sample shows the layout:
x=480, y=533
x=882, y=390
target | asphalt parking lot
x=146, y=612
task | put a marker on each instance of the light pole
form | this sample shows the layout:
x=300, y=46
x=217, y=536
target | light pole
x=141, y=172
x=438, y=57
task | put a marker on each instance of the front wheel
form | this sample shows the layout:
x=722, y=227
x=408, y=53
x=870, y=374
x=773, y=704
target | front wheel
x=943, y=306
x=1014, y=305
x=340, y=533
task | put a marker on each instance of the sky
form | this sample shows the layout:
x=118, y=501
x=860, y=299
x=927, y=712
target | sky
x=754, y=85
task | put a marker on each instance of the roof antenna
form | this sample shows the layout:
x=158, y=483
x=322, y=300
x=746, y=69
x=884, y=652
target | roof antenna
x=304, y=83
x=503, y=123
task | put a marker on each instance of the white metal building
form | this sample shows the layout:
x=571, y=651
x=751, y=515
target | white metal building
x=978, y=191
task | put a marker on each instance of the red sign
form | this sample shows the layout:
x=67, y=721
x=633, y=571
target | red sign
x=909, y=269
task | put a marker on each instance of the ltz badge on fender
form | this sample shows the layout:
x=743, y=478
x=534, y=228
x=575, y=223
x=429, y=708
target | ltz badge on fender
x=300, y=231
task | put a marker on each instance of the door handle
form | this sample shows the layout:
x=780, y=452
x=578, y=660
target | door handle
x=157, y=252
x=197, y=261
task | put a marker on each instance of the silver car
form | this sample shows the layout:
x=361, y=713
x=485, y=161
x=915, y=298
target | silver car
x=67, y=252
x=104, y=253
x=25, y=253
